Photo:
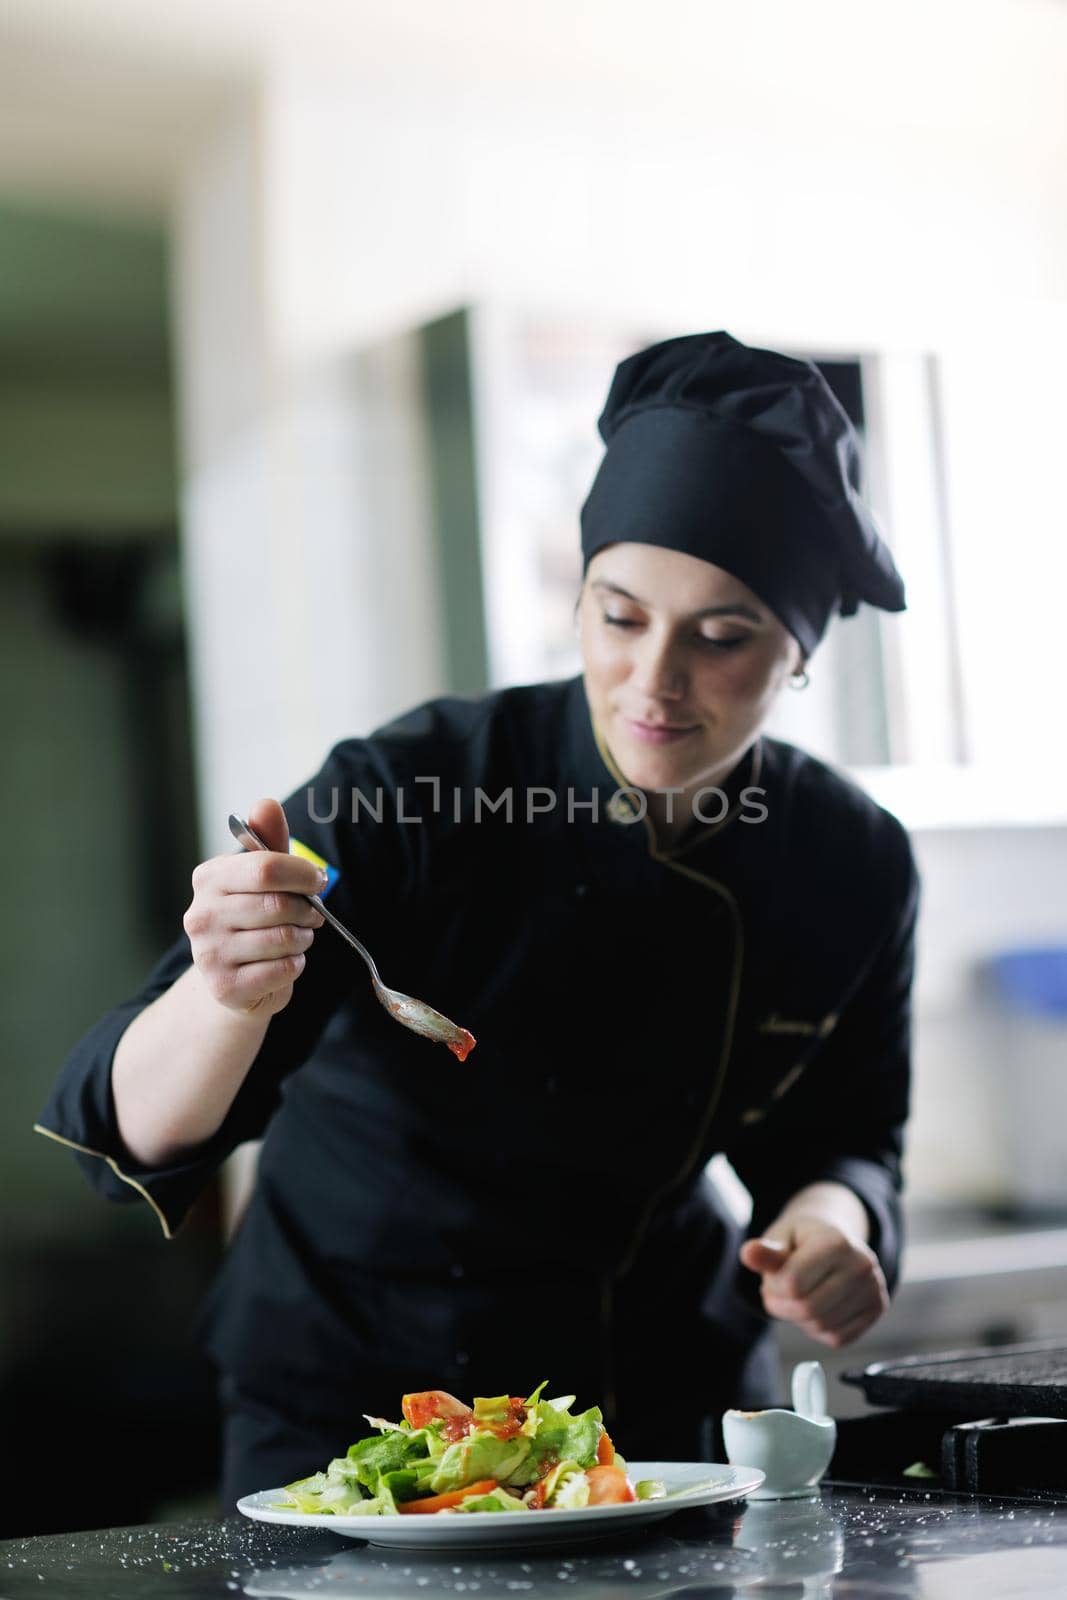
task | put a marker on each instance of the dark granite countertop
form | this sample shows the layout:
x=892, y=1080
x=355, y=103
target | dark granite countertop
x=850, y=1541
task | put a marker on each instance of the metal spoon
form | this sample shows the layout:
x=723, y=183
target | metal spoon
x=413, y=1014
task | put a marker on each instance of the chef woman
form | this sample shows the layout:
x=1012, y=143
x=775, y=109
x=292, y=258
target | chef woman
x=670, y=934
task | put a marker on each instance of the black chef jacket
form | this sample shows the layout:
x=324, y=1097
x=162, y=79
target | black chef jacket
x=541, y=1211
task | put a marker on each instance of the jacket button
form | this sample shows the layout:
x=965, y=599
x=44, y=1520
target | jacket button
x=455, y=1270
x=462, y=1358
x=580, y=891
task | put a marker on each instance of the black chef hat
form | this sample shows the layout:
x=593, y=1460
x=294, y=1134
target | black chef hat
x=744, y=458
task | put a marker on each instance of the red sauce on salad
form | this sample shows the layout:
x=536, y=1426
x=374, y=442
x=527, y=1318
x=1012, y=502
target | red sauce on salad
x=456, y=1428
x=459, y=1424
x=462, y=1047
x=509, y=1427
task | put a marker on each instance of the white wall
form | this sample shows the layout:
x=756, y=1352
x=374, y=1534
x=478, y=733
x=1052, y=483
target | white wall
x=823, y=173
x=309, y=617
x=984, y=890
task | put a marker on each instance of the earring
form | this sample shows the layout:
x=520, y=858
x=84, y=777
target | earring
x=799, y=680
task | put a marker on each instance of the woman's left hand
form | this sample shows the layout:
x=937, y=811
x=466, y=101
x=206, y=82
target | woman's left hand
x=814, y=1274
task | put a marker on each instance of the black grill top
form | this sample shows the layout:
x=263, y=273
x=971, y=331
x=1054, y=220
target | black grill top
x=1008, y=1380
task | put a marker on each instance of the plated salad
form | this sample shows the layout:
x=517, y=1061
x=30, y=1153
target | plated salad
x=499, y=1454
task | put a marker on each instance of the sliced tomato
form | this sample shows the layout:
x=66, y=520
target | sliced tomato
x=605, y=1450
x=609, y=1486
x=441, y=1502
x=432, y=1405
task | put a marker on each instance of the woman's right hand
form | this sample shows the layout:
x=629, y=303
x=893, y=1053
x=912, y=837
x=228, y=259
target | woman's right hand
x=248, y=924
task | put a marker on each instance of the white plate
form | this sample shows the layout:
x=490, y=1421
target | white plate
x=524, y=1527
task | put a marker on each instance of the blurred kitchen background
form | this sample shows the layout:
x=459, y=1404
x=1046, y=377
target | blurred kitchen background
x=306, y=314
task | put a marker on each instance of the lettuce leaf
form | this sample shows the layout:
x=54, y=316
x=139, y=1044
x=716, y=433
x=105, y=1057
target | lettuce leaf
x=369, y=1459
x=401, y=1484
x=566, y=1437
x=497, y=1500
x=480, y=1455
x=329, y=1493
x=495, y=1409
x=650, y=1489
